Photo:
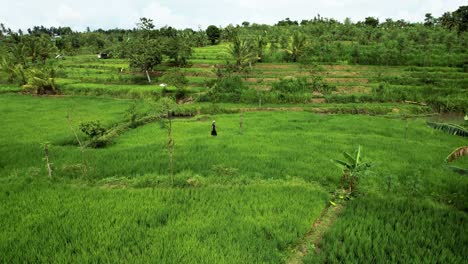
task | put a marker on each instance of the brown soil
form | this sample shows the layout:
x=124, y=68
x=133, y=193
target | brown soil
x=318, y=100
x=352, y=90
x=347, y=80
x=200, y=74
x=275, y=66
x=341, y=73
x=202, y=65
x=268, y=109
x=260, y=79
x=261, y=87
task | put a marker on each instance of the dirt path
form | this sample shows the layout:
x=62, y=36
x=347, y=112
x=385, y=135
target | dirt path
x=311, y=240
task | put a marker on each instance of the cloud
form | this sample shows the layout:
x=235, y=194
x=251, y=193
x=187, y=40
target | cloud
x=187, y=13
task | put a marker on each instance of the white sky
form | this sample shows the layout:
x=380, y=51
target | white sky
x=79, y=14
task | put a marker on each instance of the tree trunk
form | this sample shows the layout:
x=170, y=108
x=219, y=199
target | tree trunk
x=147, y=76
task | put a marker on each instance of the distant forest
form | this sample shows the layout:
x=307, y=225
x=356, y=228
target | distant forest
x=438, y=41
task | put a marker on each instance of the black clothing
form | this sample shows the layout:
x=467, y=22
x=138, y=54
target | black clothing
x=213, y=130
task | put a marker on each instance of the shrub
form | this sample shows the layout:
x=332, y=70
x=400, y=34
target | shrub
x=40, y=81
x=174, y=77
x=92, y=129
x=227, y=89
x=302, y=85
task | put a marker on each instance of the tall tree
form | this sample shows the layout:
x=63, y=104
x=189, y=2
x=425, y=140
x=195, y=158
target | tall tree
x=429, y=20
x=461, y=17
x=144, y=55
x=213, y=33
x=297, y=45
x=371, y=21
x=242, y=52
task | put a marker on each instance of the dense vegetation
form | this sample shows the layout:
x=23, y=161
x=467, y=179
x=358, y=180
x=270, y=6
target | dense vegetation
x=110, y=159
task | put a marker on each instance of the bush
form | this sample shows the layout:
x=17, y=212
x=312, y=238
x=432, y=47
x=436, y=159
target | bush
x=302, y=85
x=41, y=81
x=292, y=85
x=174, y=77
x=92, y=129
x=227, y=89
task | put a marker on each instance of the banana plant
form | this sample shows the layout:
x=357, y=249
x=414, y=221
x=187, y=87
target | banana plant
x=457, y=153
x=352, y=167
x=242, y=52
x=40, y=81
x=450, y=128
x=299, y=41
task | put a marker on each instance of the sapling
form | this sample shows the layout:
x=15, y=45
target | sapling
x=241, y=122
x=47, y=159
x=352, y=168
x=80, y=143
x=164, y=107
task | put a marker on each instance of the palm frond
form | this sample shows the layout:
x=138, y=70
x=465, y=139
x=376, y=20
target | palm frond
x=358, y=155
x=341, y=163
x=459, y=170
x=349, y=158
x=459, y=152
x=449, y=128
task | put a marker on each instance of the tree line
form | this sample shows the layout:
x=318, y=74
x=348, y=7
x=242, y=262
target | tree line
x=435, y=42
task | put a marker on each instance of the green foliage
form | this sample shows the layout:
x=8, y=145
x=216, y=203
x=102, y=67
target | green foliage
x=144, y=54
x=133, y=222
x=165, y=107
x=371, y=21
x=213, y=33
x=292, y=85
x=457, y=154
x=302, y=85
x=40, y=81
x=174, y=77
x=449, y=128
x=178, y=48
x=392, y=229
x=132, y=114
x=92, y=129
x=227, y=89
x=242, y=52
x=353, y=168
x=238, y=175
x=298, y=43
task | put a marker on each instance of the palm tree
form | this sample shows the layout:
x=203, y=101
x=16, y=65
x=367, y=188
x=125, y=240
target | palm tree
x=242, y=52
x=260, y=44
x=298, y=43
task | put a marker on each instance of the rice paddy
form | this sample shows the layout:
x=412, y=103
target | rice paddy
x=245, y=196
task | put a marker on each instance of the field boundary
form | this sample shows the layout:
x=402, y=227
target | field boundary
x=311, y=240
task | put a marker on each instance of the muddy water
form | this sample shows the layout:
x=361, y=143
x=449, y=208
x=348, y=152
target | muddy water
x=454, y=118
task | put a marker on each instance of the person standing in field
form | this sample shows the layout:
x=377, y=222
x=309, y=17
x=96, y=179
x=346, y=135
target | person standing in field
x=213, y=129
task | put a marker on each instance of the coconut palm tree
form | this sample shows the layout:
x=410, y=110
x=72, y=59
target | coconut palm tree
x=299, y=41
x=242, y=52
